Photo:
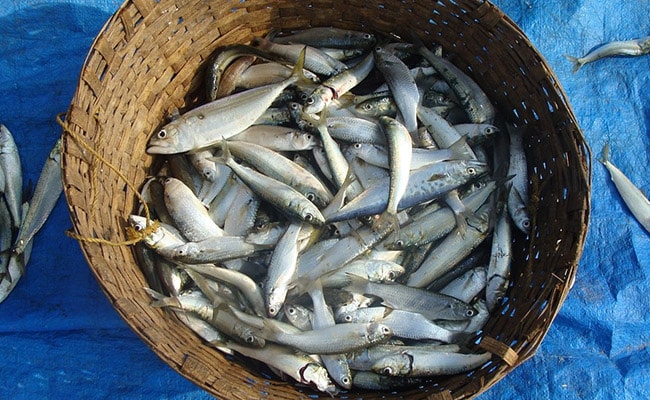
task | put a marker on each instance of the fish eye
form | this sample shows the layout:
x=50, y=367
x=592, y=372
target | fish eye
x=489, y=130
x=526, y=223
x=367, y=107
x=310, y=196
x=357, y=145
x=367, y=36
x=347, y=318
x=138, y=227
x=345, y=380
x=272, y=310
x=385, y=330
x=308, y=137
x=200, y=116
x=387, y=371
x=378, y=48
x=291, y=311
x=250, y=339
x=309, y=100
x=162, y=134
x=399, y=243
x=470, y=313
x=471, y=171
x=391, y=275
x=309, y=217
x=180, y=252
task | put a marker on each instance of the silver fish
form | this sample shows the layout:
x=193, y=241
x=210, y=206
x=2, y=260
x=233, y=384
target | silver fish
x=298, y=366
x=12, y=172
x=430, y=304
x=337, y=85
x=401, y=84
x=281, y=195
x=400, y=150
x=632, y=196
x=187, y=212
x=328, y=37
x=276, y=166
x=472, y=98
x=282, y=269
x=347, y=337
x=420, y=364
x=424, y=184
x=225, y=117
x=452, y=249
x=518, y=196
x=46, y=193
x=634, y=47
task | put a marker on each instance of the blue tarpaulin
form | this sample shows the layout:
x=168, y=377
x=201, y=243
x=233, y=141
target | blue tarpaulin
x=60, y=337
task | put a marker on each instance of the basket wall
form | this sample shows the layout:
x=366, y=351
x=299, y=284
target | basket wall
x=148, y=60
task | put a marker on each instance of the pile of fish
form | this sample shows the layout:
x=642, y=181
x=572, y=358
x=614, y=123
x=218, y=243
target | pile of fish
x=21, y=220
x=341, y=209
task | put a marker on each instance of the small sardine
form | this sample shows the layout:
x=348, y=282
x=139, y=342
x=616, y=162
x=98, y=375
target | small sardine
x=328, y=37
x=220, y=119
x=13, y=175
x=632, y=196
x=402, y=86
x=279, y=194
x=46, y=193
x=634, y=47
x=188, y=212
x=336, y=339
x=430, y=304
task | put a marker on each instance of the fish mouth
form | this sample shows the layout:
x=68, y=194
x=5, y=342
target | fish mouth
x=160, y=149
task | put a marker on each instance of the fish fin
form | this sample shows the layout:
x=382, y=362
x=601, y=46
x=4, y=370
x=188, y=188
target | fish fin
x=160, y=300
x=576, y=62
x=297, y=73
x=355, y=283
x=339, y=198
x=461, y=221
x=387, y=311
x=605, y=154
x=460, y=150
x=387, y=220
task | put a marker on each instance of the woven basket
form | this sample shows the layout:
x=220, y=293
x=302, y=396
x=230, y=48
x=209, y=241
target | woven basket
x=148, y=60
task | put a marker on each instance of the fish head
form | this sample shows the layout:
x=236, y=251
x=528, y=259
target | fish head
x=399, y=364
x=521, y=218
x=167, y=140
x=303, y=140
x=463, y=311
x=316, y=375
x=139, y=224
x=318, y=100
x=296, y=313
x=389, y=271
x=378, y=333
x=310, y=214
x=474, y=168
x=274, y=302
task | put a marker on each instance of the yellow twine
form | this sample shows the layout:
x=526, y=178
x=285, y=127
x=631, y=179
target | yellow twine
x=134, y=236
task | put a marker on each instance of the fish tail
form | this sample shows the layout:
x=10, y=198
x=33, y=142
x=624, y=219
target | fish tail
x=297, y=74
x=160, y=300
x=605, y=154
x=355, y=283
x=576, y=62
x=460, y=149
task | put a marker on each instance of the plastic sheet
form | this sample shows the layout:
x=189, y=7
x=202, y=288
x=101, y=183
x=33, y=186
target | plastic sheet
x=59, y=336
